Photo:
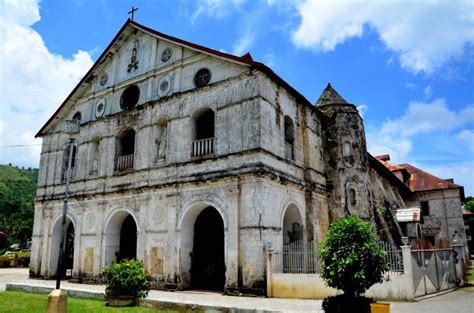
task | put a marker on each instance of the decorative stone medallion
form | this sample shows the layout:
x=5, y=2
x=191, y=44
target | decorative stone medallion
x=90, y=220
x=166, y=54
x=100, y=108
x=164, y=86
x=103, y=79
x=158, y=216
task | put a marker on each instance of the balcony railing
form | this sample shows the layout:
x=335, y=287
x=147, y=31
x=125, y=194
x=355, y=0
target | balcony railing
x=289, y=152
x=124, y=162
x=202, y=147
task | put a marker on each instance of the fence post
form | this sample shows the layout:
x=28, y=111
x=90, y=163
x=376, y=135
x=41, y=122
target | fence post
x=408, y=272
x=268, y=252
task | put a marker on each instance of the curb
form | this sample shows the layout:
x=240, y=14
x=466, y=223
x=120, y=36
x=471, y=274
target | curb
x=76, y=293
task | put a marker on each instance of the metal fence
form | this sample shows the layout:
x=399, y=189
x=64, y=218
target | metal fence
x=298, y=257
x=434, y=270
x=393, y=257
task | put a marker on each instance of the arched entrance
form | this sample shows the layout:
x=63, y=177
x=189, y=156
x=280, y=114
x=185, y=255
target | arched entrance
x=292, y=225
x=208, y=264
x=69, y=250
x=120, y=238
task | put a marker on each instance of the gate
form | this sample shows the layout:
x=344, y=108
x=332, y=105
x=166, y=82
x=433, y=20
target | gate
x=434, y=270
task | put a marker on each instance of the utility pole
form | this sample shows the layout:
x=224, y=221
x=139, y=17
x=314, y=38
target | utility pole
x=62, y=245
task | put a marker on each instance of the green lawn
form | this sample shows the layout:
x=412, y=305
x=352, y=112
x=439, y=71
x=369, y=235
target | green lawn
x=471, y=275
x=25, y=302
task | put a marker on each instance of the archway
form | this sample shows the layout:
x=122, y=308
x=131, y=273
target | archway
x=202, y=249
x=120, y=238
x=69, y=250
x=208, y=265
x=292, y=225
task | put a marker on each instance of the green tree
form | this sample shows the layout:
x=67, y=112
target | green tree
x=17, y=193
x=352, y=259
x=469, y=204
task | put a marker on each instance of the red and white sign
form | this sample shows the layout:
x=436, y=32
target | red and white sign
x=409, y=215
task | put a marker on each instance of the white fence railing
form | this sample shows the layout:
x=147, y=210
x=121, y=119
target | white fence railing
x=298, y=257
x=202, y=147
x=123, y=163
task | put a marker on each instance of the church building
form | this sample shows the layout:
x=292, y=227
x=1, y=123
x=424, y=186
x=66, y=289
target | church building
x=195, y=161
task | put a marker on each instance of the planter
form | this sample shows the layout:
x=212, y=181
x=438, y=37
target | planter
x=118, y=301
x=380, y=308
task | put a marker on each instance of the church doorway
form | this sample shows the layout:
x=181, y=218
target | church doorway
x=69, y=249
x=128, y=240
x=208, y=264
x=120, y=238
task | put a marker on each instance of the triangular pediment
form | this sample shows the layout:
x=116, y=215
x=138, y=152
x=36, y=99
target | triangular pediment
x=140, y=55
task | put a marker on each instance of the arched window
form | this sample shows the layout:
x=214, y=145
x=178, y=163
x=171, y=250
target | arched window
x=77, y=118
x=203, y=133
x=66, y=160
x=289, y=138
x=125, y=150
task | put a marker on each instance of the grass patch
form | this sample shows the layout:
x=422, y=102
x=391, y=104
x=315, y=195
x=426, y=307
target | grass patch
x=25, y=302
x=470, y=274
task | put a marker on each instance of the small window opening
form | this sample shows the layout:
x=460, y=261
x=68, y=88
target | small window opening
x=202, y=77
x=130, y=97
x=203, y=142
x=125, y=151
x=66, y=160
x=289, y=138
x=77, y=117
x=425, y=208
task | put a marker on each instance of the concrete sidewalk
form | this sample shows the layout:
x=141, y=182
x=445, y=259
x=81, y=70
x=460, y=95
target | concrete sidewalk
x=458, y=301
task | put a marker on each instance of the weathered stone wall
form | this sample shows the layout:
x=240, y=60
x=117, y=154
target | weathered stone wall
x=445, y=222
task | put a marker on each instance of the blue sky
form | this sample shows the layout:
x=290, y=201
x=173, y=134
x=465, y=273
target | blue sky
x=407, y=65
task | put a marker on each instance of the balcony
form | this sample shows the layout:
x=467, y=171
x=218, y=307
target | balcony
x=202, y=147
x=124, y=163
x=289, y=152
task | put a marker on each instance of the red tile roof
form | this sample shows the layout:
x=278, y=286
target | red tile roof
x=418, y=179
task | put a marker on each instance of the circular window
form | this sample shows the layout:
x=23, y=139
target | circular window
x=100, y=108
x=130, y=97
x=166, y=54
x=103, y=79
x=202, y=77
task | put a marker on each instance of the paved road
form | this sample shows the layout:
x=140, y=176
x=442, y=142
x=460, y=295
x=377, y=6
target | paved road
x=459, y=301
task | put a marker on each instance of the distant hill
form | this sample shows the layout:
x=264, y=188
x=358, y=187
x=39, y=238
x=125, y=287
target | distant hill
x=17, y=193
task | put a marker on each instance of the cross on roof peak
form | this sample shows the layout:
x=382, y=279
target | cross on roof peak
x=132, y=12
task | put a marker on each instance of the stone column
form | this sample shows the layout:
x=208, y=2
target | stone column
x=269, y=254
x=408, y=272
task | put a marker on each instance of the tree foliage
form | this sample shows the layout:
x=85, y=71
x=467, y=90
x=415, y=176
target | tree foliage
x=469, y=204
x=17, y=193
x=352, y=259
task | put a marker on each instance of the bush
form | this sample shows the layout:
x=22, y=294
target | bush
x=352, y=259
x=127, y=278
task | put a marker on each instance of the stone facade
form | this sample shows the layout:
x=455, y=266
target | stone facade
x=239, y=143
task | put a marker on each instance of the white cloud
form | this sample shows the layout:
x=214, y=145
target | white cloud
x=467, y=136
x=463, y=173
x=243, y=43
x=395, y=136
x=425, y=34
x=215, y=8
x=33, y=83
x=428, y=92
x=362, y=109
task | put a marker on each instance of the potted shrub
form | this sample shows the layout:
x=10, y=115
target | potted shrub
x=352, y=261
x=125, y=282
